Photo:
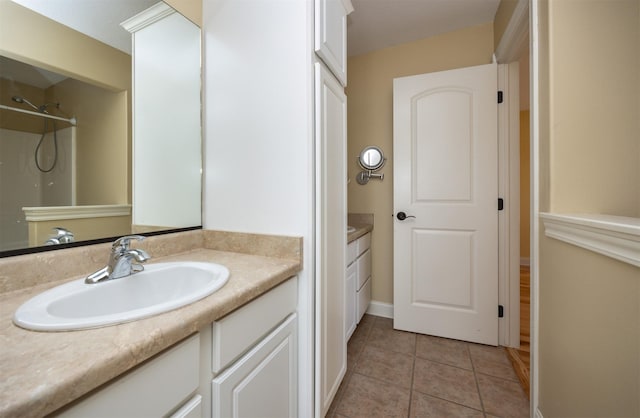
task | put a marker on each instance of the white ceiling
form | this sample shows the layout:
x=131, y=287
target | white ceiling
x=377, y=24
x=374, y=24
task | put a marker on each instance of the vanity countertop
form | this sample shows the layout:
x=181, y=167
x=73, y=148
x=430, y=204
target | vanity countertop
x=361, y=230
x=43, y=371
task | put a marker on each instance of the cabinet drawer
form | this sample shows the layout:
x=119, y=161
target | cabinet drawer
x=364, y=268
x=364, y=243
x=234, y=334
x=352, y=251
x=364, y=297
x=153, y=389
x=191, y=409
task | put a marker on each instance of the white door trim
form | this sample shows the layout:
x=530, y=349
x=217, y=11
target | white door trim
x=524, y=21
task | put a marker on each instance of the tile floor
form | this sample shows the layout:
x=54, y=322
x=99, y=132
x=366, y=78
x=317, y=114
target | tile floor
x=400, y=374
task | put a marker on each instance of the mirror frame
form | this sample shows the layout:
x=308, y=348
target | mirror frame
x=45, y=248
x=368, y=150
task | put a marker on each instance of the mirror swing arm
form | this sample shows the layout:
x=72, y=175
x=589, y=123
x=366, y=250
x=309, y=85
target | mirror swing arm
x=371, y=159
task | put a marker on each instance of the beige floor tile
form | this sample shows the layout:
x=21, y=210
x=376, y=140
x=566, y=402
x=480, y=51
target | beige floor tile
x=366, y=397
x=339, y=395
x=492, y=361
x=381, y=322
x=446, y=382
x=367, y=320
x=425, y=406
x=443, y=350
x=503, y=398
x=392, y=340
x=392, y=367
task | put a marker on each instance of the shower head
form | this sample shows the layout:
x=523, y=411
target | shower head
x=41, y=109
x=20, y=99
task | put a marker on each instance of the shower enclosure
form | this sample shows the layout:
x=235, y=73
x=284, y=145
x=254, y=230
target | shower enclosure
x=37, y=165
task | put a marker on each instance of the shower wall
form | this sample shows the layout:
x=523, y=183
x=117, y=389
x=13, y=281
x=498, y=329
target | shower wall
x=23, y=185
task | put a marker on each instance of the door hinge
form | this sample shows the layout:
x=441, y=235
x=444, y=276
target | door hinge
x=500, y=311
x=500, y=203
x=500, y=98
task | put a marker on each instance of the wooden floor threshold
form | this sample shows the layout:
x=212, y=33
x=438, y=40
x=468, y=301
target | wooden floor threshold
x=521, y=368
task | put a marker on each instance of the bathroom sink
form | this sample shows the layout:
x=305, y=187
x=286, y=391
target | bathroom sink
x=350, y=229
x=159, y=288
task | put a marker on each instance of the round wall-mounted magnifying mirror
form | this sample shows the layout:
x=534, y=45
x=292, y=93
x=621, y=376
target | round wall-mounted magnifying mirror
x=371, y=158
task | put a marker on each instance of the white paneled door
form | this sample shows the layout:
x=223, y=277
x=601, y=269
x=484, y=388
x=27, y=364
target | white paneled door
x=446, y=204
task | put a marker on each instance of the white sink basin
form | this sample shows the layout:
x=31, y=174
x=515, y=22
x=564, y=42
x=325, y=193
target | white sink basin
x=159, y=288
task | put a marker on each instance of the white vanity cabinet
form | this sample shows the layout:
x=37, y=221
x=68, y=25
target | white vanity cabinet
x=363, y=292
x=350, y=294
x=254, y=358
x=358, y=282
x=242, y=365
x=167, y=385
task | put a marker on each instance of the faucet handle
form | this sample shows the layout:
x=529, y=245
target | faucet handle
x=122, y=244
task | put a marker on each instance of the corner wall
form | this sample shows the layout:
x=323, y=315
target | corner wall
x=370, y=116
x=589, y=304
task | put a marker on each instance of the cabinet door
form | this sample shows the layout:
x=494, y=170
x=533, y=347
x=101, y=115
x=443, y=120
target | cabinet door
x=331, y=35
x=363, y=299
x=331, y=246
x=263, y=383
x=350, y=300
x=364, y=268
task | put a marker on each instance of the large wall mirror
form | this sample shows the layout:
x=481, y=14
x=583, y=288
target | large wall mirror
x=70, y=155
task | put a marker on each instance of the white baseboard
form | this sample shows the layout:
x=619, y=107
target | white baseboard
x=525, y=261
x=382, y=309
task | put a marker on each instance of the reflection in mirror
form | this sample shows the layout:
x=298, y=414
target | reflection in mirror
x=371, y=158
x=83, y=185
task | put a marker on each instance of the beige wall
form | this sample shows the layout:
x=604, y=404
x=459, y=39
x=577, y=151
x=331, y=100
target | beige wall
x=101, y=145
x=370, y=111
x=589, y=323
x=596, y=115
x=191, y=9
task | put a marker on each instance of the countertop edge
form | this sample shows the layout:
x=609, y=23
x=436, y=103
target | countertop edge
x=361, y=230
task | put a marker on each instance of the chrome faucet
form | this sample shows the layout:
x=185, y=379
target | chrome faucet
x=62, y=236
x=123, y=261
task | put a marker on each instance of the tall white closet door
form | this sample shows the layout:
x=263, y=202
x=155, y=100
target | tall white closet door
x=331, y=178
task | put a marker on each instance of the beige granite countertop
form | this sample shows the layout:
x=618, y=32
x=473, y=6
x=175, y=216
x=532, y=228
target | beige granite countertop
x=43, y=371
x=362, y=222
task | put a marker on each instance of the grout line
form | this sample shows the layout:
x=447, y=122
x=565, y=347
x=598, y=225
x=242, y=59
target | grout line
x=413, y=374
x=475, y=377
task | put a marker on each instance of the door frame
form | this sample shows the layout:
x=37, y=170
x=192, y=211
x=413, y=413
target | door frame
x=522, y=31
